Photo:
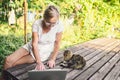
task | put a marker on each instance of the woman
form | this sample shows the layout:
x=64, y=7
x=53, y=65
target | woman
x=46, y=37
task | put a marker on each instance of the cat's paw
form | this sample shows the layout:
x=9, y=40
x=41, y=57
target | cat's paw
x=63, y=65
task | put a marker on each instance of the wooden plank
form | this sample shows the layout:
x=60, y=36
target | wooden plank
x=85, y=75
x=118, y=76
x=106, y=68
x=76, y=47
x=114, y=73
x=23, y=76
x=17, y=67
x=81, y=51
x=95, y=47
x=23, y=70
x=87, y=44
x=89, y=53
x=89, y=56
x=105, y=50
x=72, y=75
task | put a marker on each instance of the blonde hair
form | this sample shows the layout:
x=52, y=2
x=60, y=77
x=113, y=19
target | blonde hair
x=50, y=12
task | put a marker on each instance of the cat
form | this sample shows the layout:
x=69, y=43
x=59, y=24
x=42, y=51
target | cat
x=73, y=61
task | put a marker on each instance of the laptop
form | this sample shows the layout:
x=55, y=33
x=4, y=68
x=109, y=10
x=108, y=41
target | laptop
x=48, y=74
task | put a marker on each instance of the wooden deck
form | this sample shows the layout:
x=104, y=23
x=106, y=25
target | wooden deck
x=102, y=56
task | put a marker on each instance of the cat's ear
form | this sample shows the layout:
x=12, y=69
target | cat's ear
x=67, y=51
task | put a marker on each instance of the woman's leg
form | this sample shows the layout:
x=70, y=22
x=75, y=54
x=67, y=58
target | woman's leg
x=13, y=59
x=25, y=59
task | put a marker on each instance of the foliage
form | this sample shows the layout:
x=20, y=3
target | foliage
x=9, y=43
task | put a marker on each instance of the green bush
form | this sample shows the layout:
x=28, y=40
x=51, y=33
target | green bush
x=8, y=45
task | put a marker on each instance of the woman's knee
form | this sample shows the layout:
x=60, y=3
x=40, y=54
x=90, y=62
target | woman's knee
x=9, y=61
x=31, y=59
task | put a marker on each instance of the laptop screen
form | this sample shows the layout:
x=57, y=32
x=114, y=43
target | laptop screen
x=48, y=74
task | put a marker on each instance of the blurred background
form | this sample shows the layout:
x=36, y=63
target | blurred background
x=83, y=20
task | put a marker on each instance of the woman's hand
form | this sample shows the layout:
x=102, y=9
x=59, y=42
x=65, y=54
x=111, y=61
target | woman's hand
x=40, y=66
x=51, y=63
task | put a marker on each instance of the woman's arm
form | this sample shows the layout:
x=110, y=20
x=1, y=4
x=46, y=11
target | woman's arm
x=35, y=46
x=40, y=65
x=56, y=46
x=51, y=62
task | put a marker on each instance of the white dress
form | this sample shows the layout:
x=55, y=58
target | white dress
x=46, y=40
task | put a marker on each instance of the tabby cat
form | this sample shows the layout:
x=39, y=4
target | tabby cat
x=73, y=61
